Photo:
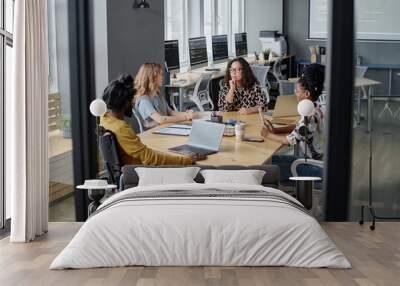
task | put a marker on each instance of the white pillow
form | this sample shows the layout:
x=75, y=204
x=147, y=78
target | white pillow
x=166, y=176
x=247, y=177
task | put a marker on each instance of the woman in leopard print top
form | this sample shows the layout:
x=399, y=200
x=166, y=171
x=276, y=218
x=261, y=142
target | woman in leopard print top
x=241, y=91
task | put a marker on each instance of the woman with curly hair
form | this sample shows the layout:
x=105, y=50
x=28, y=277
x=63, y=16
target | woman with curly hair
x=309, y=86
x=241, y=91
x=151, y=105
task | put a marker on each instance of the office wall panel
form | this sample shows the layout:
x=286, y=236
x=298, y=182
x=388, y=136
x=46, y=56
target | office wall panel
x=295, y=25
x=134, y=36
x=262, y=15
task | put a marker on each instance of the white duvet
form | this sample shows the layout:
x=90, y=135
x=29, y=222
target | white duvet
x=200, y=231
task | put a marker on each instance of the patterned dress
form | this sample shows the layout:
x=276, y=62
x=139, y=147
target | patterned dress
x=246, y=98
x=315, y=136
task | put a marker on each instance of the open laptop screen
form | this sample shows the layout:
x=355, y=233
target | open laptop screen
x=206, y=135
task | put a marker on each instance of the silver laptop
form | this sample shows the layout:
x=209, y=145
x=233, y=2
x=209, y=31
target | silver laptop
x=205, y=138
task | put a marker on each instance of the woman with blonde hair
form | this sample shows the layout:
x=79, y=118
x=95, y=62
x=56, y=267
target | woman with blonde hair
x=150, y=104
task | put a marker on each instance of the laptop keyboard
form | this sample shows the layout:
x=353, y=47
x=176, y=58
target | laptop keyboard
x=188, y=150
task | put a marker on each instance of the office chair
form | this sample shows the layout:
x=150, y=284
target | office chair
x=323, y=98
x=309, y=168
x=286, y=87
x=261, y=72
x=109, y=152
x=201, y=93
x=136, y=121
x=277, y=69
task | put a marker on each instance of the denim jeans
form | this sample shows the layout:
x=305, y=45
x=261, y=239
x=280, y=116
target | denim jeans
x=285, y=161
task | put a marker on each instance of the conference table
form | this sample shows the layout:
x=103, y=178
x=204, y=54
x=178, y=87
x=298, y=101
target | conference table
x=232, y=151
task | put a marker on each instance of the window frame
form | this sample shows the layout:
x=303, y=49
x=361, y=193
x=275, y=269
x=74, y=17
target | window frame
x=6, y=39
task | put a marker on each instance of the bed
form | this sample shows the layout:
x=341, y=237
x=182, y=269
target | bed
x=198, y=224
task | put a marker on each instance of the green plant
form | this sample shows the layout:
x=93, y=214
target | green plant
x=266, y=53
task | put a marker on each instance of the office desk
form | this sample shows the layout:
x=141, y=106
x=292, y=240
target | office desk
x=232, y=151
x=191, y=77
x=390, y=68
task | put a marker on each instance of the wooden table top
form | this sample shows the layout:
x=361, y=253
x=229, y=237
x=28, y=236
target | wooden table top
x=232, y=151
x=359, y=82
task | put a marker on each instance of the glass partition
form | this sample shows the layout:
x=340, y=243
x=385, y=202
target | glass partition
x=61, y=184
x=376, y=122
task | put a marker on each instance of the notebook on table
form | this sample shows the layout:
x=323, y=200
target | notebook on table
x=176, y=129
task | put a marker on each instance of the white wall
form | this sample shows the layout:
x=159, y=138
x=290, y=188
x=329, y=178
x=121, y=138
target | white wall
x=261, y=15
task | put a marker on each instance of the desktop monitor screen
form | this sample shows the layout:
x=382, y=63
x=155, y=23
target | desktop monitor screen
x=198, y=51
x=220, y=47
x=241, y=44
x=172, y=54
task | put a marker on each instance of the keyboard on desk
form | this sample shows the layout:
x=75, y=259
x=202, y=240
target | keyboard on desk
x=212, y=69
x=180, y=81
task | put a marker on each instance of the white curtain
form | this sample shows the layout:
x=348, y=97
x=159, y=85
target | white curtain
x=27, y=123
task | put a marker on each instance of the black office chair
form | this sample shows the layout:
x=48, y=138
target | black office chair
x=109, y=152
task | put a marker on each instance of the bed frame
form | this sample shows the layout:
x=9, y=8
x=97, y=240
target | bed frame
x=130, y=178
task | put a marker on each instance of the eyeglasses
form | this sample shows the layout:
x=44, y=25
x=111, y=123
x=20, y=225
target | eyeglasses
x=239, y=70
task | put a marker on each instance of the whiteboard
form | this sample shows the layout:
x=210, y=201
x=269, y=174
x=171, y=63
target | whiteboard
x=375, y=19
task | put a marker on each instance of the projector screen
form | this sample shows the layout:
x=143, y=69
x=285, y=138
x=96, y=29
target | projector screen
x=375, y=19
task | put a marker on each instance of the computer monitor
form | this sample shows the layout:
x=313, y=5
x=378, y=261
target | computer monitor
x=220, y=48
x=241, y=44
x=198, y=51
x=171, y=49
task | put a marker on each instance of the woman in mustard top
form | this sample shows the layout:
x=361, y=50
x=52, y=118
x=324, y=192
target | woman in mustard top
x=118, y=96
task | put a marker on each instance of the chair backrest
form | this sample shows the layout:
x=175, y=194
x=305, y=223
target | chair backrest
x=201, y=94
x=286, y=87
x=136, y=121
x=309, y=168
x=261, y=72
x=276, y=69
x=109, y=152
x=360, y=71
x=322, y=98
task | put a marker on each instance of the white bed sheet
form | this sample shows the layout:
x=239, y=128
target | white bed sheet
x=200, y=232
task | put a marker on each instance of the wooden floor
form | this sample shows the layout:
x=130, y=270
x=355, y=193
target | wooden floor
x=375, y=257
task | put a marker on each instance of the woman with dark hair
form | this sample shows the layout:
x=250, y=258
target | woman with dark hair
x=309, y=86
x=118, y=97
x=241, y=91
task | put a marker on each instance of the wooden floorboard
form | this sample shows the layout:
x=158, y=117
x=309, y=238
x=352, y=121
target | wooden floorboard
x=374, y=255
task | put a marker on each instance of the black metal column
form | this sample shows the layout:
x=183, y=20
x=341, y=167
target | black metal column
x=340, y=109
x=82, y=93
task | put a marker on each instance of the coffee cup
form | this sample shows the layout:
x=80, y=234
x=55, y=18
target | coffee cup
x=240, y=129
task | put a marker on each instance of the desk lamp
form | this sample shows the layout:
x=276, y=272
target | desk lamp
x=97, y=108
x=305, y=108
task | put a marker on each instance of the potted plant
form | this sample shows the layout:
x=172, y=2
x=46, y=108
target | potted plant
x=65, y=126
x=266, y=53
